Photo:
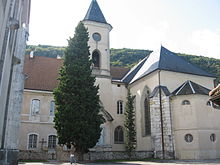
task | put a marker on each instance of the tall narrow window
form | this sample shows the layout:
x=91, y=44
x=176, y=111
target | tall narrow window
x=52, y=141
x=119, y=107
x=119, y=135
x=52, y=108
x=35, y=107
x=147, y=116
x=32, y=143
x=96, y=59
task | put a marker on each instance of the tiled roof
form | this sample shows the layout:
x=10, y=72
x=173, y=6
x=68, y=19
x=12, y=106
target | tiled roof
x=215, y=91
x=94, y=13
x=163, y=59
x=215, y=95
x=118, y=73
x=190, y=87
x=42, y=72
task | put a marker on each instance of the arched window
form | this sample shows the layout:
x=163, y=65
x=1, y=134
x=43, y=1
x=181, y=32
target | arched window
x=96, y=59
x=35, y=107
x=119, y=107
x=119, y=135
x=52, y=108
x=208, y=103
x=147, y=116
x=52, y=141
x=32, y=141
x=186, y=102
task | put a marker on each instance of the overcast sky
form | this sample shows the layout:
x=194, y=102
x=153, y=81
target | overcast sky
x=186, y=26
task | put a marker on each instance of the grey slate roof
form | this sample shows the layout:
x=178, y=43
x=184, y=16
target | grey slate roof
x=130, y=75
x=190, y=87
x=163, y=89
x=163, y=59
x=94, y=13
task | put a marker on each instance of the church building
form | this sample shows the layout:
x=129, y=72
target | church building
x=173, y=115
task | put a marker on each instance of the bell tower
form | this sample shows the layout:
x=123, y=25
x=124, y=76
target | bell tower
x=99, y=30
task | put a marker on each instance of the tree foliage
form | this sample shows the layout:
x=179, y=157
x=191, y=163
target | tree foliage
x=127, y=57
x=45, y=50
x=77, y=119
x=130, y=132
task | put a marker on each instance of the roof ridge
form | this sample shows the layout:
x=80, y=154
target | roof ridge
x=181, y=87
x=190, y=87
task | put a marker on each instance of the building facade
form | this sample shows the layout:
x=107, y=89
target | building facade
x=14, y=21
x=173, y=115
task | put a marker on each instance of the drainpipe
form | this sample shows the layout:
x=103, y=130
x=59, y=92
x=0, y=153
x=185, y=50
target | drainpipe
x=161, y=117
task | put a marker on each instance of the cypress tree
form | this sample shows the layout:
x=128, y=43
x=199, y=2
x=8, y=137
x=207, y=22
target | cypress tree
x=77, y=118
x=130, y=132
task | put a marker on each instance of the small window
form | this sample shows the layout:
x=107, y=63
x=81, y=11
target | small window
x=52, y=108
x=213, y=137
x=52, y=141
x=188, y=138
x=209, y=103
x=119, y=107
x=119, y=135
x=185, y=102
x=32, y=143
x=35, y=107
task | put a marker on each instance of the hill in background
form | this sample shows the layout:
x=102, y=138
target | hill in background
x=129, y=57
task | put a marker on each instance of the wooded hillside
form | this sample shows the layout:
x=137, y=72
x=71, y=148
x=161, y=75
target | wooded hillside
x=129, y=57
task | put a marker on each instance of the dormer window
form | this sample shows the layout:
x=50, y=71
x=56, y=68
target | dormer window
x=96, y=59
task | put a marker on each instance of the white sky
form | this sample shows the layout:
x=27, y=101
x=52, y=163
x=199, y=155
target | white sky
x=186, y=26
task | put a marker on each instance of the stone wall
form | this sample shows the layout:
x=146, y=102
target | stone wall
x=92, y=155
x=156, y=133
x=32, y=155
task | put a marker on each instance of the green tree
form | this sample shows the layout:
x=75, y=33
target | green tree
x=130, y=132
x=77, y=119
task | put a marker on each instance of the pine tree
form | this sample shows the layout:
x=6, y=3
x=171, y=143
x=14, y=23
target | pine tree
x=130, y=132
x=77, y=119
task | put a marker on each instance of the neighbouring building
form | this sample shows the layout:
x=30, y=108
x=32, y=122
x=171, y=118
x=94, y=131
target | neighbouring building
x=215, y=95
x=173, y=115
x=14, y=22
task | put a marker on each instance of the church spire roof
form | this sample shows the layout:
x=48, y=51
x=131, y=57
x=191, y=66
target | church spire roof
x=94, y=13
